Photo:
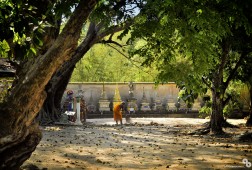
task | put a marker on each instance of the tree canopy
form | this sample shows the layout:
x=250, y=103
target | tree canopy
x=112, y=63
x=197, y=44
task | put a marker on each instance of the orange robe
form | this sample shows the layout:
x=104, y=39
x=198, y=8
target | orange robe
x=117, y=112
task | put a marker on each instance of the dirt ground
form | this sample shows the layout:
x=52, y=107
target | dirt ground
x=147, y=143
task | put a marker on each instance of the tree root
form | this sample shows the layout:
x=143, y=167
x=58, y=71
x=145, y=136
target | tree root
x=249, y=121
x=206, y=129
x=43, y=118
x=16, y=153
x=202, y=131
x=29, y=167
x=225, y=124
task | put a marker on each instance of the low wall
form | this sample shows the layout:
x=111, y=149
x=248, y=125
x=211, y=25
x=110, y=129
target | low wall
x=166, y=94
x=92, y=91
x=140, y=115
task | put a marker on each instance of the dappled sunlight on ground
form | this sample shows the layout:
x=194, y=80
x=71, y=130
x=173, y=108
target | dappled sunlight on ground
x=160, y=145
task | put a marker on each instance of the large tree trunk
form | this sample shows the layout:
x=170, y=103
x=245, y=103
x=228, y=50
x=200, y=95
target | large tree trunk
x=55, y=89
x=58, y=83
x=217, y=118
x=218, y=90
x=19, y=136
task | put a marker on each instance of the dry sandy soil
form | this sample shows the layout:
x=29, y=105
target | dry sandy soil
x=146, y=143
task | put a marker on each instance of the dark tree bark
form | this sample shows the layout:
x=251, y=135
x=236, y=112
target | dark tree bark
x=249, y=120
x=55, y=89
x=218, y=90
x=19, y=134
x=58, y=83
x=217, y=118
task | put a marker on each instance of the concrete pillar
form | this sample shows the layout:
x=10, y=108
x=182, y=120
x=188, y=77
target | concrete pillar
x=78, y=121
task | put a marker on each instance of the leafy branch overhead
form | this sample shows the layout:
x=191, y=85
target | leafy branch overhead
x=199, y=45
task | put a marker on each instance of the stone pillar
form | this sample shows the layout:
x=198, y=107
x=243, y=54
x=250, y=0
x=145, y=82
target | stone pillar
x=132, y=101
x=171, y=105
x=157, y=105
x=183, y=105
x=78, y=121
x=103, y=101
x=91, y=107
x=132, y=106
x=145, y=106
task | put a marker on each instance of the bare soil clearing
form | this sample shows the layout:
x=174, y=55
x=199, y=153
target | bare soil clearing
x=146, y=143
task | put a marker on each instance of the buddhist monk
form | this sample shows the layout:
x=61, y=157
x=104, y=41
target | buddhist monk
x=118, y=108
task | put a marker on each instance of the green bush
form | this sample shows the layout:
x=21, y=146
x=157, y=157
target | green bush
x=206, y=110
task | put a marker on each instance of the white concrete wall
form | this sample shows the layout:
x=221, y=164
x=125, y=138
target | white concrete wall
x=163, y=92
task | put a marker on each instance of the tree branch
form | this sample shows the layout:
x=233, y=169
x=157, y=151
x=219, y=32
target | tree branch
x=225, y=102
x=206, y=83
x=91, y=38
x=233, y=71
x=132, y=61
x=111, y=42
x=113, y=29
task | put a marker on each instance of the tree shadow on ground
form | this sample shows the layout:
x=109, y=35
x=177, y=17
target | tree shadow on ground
x=136, y=146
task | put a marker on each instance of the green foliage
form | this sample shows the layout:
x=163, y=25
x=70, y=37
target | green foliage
x=181, y=39
x=206, y=107
x=206, y=110
x=181, y=34
x=245, y=95
x=194, y=43
x=4, y=48
x=174, y=26
x=5, y=84
x=244, y=74
x=115, y=12
x=23, y=24
x=233, y=94
x=103, y=63
x=231, y=107
x=111, y=62
x=188, y=96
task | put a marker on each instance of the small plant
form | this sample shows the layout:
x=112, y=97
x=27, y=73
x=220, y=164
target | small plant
x=188, y=96
x=4, y=87
x=206, y=110
x=231, y=107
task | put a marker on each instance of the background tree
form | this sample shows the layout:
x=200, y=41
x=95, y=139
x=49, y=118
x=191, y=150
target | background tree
x=196, y=40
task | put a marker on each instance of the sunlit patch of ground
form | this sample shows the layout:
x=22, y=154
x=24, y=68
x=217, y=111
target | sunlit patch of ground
x=153, y=143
